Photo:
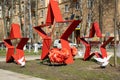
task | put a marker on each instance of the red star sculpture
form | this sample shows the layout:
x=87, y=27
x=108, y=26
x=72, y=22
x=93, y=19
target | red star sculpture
x=55, y=15
x=95, y=29
x=11, y=55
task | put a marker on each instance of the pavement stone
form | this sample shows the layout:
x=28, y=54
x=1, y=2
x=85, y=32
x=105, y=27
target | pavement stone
x=4, y=75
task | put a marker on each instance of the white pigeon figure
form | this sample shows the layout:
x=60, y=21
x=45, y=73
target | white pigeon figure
x=36, y=48
x=104, y=61
x=22, y=61
x=24, y=48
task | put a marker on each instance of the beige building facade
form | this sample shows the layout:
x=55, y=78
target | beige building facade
x=80, y=10
x=70, y=9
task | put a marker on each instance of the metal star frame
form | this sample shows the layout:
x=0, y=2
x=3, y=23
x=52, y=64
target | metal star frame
x=95, y=29
x=54, y=14
x=11, y=55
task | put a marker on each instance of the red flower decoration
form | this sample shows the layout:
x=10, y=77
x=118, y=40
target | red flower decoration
x=58, y=55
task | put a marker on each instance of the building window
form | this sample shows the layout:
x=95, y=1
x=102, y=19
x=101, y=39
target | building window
x=77, y=17
x=66, y=20
x=66, y=8
x=42, y=23
x=22, y=7
x=77, y=6
x=65, y=0
x=42, y=2
x=72, y=16
x=89, y=4
x=41, y=13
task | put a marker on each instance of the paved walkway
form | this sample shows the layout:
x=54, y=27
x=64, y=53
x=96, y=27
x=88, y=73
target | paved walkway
x=4, y=74
x=28, y=57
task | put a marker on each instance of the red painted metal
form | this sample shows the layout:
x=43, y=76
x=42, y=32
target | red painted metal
x=54, y=14
x=15, y=31
x=95, y=30
x=88, y=53
x=11, y=55
x=88, y=49
x=10, y=50
x=46, y=47
x=102, y=47
x=64, y=39
x=46, y=42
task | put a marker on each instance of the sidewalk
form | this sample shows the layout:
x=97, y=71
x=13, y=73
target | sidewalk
x=29, y=57
x=4, y=74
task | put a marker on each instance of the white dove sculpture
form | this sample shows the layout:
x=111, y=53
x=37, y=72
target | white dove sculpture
x=103, y=61
x=22, y=61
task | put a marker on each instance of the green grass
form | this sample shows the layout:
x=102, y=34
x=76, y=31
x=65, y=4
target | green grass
x=3, y=52
x=80, y=70
x=32, y=52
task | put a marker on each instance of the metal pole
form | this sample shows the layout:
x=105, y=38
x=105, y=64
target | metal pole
x=115, y=20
